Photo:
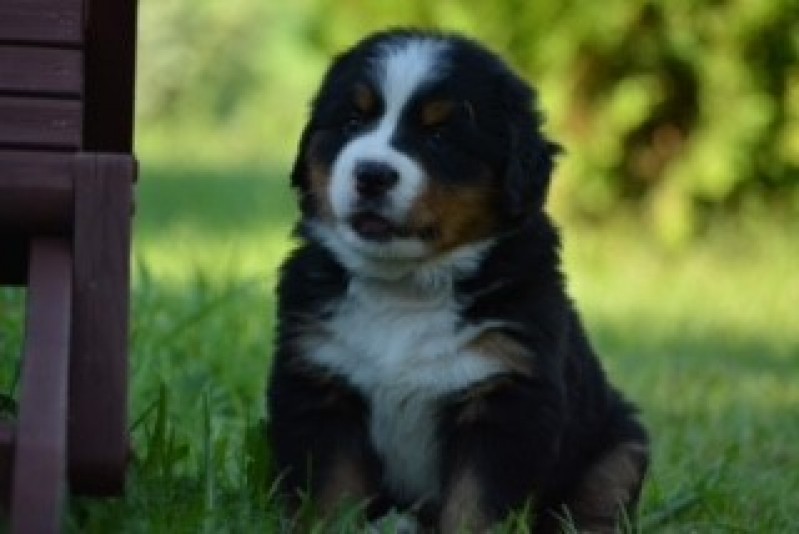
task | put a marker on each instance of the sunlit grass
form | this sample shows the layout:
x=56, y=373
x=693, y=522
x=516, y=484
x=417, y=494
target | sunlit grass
x=185, y=254
x=220, y=225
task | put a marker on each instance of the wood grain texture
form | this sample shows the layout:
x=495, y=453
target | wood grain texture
x=42, y=21
x=40, y=123
x=40, y=460
x=98, y=434
x=41, y=70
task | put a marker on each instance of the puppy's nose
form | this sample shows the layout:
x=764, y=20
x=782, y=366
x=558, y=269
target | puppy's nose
x=374, y=179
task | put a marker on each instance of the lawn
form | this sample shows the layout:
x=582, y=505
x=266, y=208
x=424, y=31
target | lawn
x=706, y=340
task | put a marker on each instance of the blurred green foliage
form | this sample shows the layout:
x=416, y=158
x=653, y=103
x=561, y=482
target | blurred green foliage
x=675, y=110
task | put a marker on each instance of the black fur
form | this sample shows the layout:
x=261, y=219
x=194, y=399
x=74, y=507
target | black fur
x=535, y=436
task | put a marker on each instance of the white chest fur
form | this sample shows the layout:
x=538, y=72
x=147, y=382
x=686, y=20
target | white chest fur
x=403, y=351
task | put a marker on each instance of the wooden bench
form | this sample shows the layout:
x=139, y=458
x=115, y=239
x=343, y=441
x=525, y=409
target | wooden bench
x=66, y=181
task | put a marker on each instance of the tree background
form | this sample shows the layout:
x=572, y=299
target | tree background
x=672, y=113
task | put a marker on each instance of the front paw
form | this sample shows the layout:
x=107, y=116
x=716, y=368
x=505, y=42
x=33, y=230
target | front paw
x=395, y=523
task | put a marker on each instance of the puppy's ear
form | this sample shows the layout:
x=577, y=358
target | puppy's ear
x=300, y=178
x=530, y=156
x=300, y=172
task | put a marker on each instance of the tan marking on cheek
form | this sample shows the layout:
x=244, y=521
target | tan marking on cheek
x=320, y=189
x=436, y=112
x=364, y=99
x=345, y=483
x=463, y=510
x=609, y=487
x=500, y=347
x=456, y=214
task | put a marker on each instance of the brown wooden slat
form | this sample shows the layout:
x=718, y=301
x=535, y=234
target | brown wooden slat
x=40, y=122
x=110, y=66
x=36, y=193
x=40, y=458
x=41, y=70
x=41, y=21
x=98, y=433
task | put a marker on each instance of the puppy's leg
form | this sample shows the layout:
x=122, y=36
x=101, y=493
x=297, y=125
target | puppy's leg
x=608, y=493
x=498, y=443
x=320, y=441
x=465, y=506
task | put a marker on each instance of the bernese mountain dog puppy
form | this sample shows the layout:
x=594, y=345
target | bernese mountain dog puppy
x=427, y=355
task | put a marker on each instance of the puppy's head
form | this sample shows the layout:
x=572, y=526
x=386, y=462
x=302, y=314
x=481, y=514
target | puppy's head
x=419, y=145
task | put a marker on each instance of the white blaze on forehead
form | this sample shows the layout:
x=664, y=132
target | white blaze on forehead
x=400, y=68
x=406, y=65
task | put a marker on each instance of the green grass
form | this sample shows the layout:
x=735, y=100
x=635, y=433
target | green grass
x=705, y=340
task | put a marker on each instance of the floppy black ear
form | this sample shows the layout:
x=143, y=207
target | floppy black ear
x=300, y=179
x=300, y=172
x=530, y=156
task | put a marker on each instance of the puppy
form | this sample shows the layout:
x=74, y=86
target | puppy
x=427, y=355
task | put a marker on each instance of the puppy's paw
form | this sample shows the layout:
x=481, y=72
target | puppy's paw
x=395, y=523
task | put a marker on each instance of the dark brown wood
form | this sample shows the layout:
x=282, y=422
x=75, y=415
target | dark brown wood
x=98, y=438
x=66, y=179
x=41, y=21
x=40, y=457
x=7, y=439
x=110, y=71
x=36, y=194
x=41, y=70
x=40, y=123
x=14, y=263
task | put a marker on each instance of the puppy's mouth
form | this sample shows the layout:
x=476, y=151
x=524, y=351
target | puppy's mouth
x=372, y=226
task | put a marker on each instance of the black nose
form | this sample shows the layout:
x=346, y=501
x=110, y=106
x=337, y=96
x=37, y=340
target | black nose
x=373, y=178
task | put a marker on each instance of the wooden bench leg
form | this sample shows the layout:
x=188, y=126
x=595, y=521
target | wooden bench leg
x=40, y=456
x=98, y=401
x=8, y=437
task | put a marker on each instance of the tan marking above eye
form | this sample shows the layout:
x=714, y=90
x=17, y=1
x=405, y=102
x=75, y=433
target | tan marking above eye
x=437, y=112
x=364, y=98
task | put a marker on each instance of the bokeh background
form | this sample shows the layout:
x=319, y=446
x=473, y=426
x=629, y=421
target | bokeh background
x=678, y=197
x=675, y=111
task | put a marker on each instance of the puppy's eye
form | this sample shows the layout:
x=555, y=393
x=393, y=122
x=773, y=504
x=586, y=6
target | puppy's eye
x=354, y=123
x=436, y=135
